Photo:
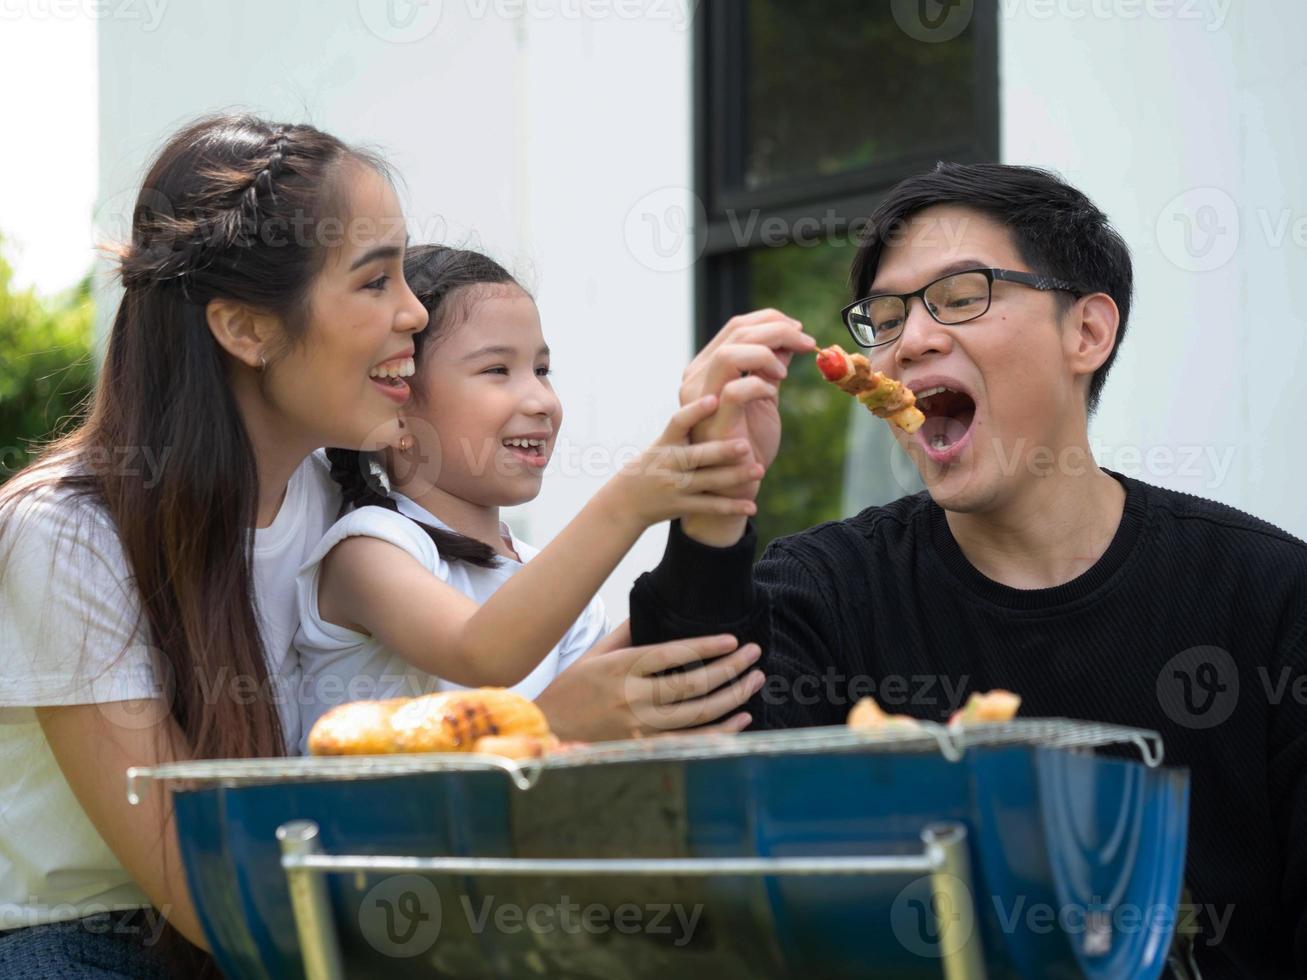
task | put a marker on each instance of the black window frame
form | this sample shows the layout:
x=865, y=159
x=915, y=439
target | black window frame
x=721, y=272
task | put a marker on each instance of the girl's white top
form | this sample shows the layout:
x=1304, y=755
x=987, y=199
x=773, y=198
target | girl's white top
x=72, y=632
x=341, y=665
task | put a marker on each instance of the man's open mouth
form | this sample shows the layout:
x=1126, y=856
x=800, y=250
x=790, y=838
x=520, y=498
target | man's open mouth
x=949, y=414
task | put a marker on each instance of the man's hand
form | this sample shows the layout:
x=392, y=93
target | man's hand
x=744, y=365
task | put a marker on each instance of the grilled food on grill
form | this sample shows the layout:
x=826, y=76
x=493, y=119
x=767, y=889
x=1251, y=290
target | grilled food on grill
x=883, y=396
x=518, y=746
x=996, y=705
x=868, y=716
x=357, y=728
x=450, y=721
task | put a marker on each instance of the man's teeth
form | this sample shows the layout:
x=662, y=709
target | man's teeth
x=525, y=443
x=405, y=368
x=931, y=391
x=939, y=442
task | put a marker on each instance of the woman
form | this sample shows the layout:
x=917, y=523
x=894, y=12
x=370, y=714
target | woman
x=147, y=560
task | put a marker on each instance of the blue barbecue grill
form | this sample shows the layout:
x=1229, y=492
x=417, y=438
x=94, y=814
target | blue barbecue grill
x=1015, y=850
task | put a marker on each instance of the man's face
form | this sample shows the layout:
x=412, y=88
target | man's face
x=1016, y=391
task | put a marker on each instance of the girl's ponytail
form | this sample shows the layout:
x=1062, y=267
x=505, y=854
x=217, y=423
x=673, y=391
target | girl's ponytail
x=362, y=483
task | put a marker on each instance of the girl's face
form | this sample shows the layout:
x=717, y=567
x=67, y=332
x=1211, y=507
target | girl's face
x=335, y=383
x=485, y=417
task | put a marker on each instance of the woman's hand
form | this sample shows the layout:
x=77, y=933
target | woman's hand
x=674, y=479
x=613, y=691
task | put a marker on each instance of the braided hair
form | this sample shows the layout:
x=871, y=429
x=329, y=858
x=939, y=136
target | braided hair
x=435, y=273
x=363, y=483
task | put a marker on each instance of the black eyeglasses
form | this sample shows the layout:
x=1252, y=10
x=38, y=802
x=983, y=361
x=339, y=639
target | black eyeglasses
x=956, y=298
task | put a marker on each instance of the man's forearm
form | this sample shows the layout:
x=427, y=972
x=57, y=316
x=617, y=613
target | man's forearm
x=697, y=589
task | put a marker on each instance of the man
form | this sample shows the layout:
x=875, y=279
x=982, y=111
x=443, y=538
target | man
x=1024, y=566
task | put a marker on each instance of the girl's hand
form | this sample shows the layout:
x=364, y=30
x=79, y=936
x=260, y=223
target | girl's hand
x=675, y=479
x=612, y=694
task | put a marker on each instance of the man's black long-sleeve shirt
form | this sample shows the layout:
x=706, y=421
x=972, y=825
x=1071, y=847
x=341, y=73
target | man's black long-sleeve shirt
x=1192, y=623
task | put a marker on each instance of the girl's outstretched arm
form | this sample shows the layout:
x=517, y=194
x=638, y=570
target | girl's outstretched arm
x=375, y=587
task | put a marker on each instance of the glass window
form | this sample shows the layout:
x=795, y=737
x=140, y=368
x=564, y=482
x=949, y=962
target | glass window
x=807, y=111
x=837, y=85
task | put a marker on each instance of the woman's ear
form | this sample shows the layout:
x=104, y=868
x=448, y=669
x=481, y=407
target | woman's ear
x=242, y=332
x=1092, y=332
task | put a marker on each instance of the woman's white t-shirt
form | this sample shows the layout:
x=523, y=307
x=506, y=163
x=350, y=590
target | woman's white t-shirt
x=341, y=665
x=71, y=632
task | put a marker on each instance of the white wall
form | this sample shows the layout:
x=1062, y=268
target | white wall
x=525, y=129
x=1181, y=114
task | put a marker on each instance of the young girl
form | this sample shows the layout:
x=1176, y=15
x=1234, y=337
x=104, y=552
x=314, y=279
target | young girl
x=421, y=587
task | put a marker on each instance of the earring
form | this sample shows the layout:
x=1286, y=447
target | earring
x=405, y=441
x=263, y=362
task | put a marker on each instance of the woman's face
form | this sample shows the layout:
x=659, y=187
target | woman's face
x=486, y=418
x=342, y=383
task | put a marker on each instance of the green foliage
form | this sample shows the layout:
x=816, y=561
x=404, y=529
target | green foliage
x=46, y=368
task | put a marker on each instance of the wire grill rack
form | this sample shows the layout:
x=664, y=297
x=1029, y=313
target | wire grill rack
x=951, y=741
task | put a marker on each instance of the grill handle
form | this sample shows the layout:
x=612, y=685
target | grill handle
x=943, y=857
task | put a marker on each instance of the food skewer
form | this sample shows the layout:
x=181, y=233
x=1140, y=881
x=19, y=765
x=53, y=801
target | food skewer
x=885, y=397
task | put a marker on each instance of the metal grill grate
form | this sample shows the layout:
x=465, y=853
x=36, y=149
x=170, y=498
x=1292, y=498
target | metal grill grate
x=952, y=742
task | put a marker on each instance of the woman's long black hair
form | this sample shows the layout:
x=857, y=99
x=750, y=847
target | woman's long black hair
x=434, y=273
